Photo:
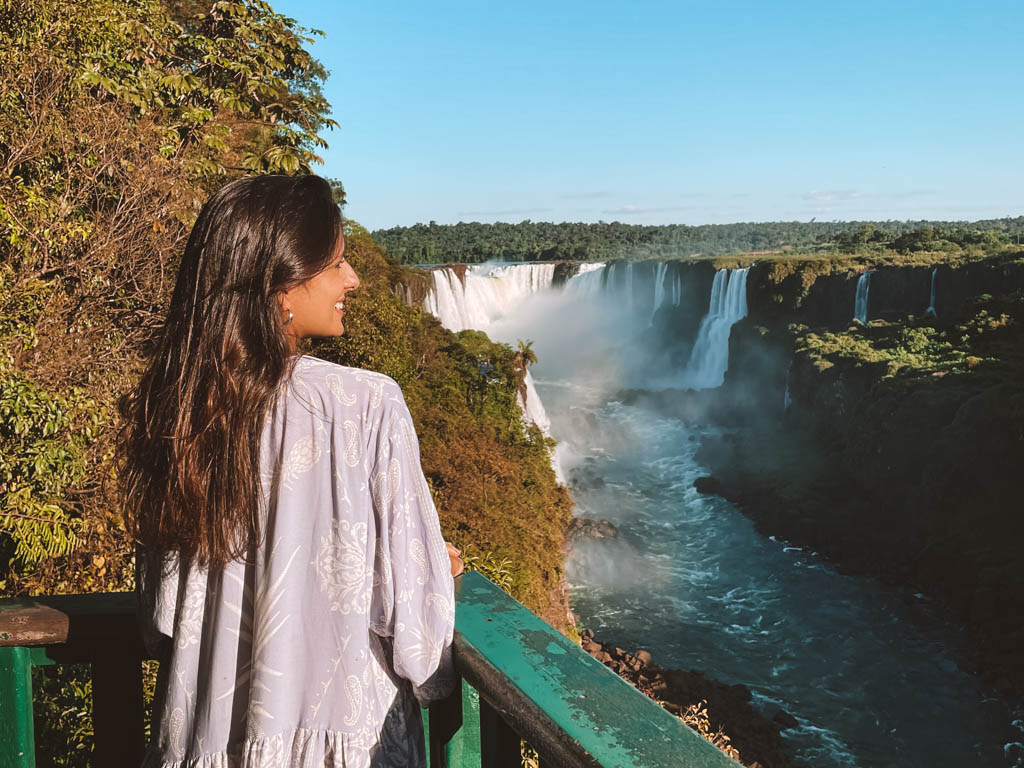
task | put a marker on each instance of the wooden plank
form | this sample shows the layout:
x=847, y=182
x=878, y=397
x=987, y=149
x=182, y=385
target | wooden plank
x=74, y=627
x=571, y=708
x=25, y=622
x=462, y=749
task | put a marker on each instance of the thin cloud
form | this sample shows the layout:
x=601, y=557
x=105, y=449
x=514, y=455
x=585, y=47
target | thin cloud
x=846, y=195
x=509, y=212
x=635, y=210
x=900, y=213
x=585, y=196
x=832, y=195
x=910, y=194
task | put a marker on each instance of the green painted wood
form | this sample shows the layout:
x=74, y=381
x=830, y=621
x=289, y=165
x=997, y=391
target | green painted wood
x=17, y=738
x=570, y=707
x=40, y=657
x=464, y=748
x=440, y=724
x=461, y=747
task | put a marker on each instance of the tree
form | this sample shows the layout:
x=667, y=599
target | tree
x=117, y=119
x=522, y=359
x=338, y=189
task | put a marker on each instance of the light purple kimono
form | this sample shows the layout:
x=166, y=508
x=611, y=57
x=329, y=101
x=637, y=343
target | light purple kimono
x=314, y=651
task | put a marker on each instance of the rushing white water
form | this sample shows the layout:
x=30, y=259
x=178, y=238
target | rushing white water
x=709, y=359
x=488, y=292
x=587, y=282
x=860, y=300
x=532, y=407
x=659, y=289
x=930, y=312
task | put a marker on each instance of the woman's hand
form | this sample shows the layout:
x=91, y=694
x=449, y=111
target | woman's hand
x=453, y=553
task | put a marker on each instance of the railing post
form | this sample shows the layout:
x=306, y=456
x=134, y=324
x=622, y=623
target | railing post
x=499, y=744
x=455, y=730
x=117, y=711
x=17, y=739
x=445, y=720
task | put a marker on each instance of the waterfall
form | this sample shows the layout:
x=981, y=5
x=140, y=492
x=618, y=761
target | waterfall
x=930, y=312
x=487, y=293
x=533, y=408
x=709, y=359
x=677, y=288
x=659, y=289
x=860, y=302
x=629, y=284
x=588, y=282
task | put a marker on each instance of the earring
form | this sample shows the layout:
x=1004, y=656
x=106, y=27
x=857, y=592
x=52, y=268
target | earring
x=290, y=317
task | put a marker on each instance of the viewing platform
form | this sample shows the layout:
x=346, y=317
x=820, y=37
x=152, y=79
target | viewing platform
x=522, y=681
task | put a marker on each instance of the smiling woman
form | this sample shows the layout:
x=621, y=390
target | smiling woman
x=317, y=307
x=295, y=584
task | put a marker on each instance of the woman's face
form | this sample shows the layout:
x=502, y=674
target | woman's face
x=317, y=305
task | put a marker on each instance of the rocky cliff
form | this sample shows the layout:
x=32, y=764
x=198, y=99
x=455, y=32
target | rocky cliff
x=892, y=449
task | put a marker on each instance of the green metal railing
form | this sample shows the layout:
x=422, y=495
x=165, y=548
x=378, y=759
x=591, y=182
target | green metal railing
x=521, y=681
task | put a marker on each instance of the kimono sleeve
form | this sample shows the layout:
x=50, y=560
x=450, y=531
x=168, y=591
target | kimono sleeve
x=413, y=600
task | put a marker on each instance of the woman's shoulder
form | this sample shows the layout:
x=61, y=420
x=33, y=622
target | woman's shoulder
x=329, y=387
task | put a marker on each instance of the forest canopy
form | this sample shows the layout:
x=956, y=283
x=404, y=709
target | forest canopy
x=474, y=242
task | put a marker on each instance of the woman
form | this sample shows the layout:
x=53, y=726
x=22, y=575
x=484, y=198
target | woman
x=293, y=571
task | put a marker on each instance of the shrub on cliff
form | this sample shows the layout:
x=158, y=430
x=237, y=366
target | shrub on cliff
x=922, y=348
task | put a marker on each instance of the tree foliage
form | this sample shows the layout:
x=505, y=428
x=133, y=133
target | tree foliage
x=116, y=121
x=531, y=241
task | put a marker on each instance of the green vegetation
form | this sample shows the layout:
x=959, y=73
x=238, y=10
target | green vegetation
x=920, y=348
x=532, y=241
x=933, y=238
x=117, y=120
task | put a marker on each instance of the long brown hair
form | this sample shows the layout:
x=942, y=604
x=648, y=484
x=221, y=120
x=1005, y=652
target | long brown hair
x=190, y=446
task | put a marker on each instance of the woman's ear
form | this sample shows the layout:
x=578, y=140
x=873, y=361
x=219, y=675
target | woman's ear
x=282, y=302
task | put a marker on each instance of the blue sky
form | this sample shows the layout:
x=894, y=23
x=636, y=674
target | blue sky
x=673, y=112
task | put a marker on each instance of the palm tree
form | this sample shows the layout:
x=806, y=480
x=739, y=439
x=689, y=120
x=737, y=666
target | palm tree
x=523, y=358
